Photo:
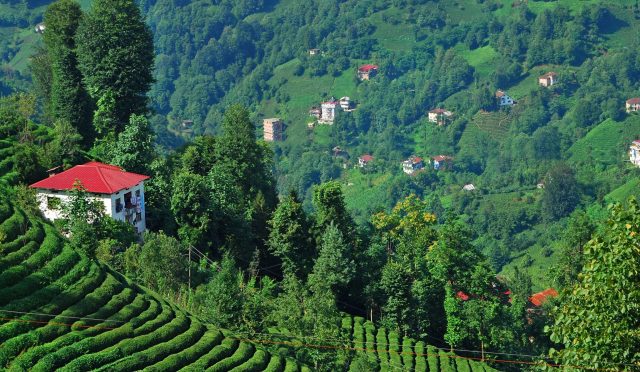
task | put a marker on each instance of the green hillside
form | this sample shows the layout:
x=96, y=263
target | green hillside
x=607, y=142
x=63, y=311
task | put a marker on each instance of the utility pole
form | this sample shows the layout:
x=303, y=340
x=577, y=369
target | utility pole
x=189, y=266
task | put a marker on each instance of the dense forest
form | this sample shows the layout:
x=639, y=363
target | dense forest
x=287, y=238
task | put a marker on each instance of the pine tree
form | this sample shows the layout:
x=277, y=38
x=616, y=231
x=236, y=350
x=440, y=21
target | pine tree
x=68, y=99
x=115, y=54
x=289, y=237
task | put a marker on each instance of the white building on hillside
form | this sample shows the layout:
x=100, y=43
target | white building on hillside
x=504, y=99
x=122, y=193
x=328, y=113
x=634, y=153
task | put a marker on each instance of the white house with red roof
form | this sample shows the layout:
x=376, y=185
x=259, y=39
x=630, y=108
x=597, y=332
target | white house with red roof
x=366, y=72
x=122, y=193
x=439, y=116
x=633, y=104
x=412, y=164
x=442, y=162
x=364, y=160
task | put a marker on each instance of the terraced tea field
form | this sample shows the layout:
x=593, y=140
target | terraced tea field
x=389, y=351
x=61, y=311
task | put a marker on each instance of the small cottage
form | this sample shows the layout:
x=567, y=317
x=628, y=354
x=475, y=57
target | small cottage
x=468, y=187
x=633, y=104
x=547, y=79
x=368, y=71
x=442, y=162
x=314, y=51
x=365, y=160
x=121, y=193
x=504, y=99
x=412, y=165
x=439, y=116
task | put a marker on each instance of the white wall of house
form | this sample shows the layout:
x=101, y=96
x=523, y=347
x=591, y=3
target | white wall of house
x=634, y=155
x=52, y=209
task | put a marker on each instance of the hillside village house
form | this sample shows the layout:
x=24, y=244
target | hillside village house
x=121, y=193
x=634, y=153
x=504, y=99
x=345, y=103
x=439, y=116
x=364, y=160
x=442, y=162
x=40, y=27
x=273, y=129
x=315, y=112
x=547, y=79
x=314, y=51
x=468, y=187
x=412, y=164
x=633, y=104
x=328, y=111
x=366, y=72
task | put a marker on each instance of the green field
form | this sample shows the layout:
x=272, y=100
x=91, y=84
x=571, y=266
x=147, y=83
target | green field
x=481, y=59
x=495, y=124
x=607, y=143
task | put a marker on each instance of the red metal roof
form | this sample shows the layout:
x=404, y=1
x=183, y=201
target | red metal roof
x=366, y=158
x=537, y=299
x=438, y=111
x=96, y=178
x=633, y=101
x=442, y=158
x=463, y=296
x=367, y=68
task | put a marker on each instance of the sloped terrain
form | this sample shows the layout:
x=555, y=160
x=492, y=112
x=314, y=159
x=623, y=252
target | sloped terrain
x=60, y=310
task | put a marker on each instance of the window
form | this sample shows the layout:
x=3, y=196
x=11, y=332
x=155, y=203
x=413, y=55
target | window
x=138, y=217
x=127, y=200
x=119, y=205
x=53, y=203
x=138, y=193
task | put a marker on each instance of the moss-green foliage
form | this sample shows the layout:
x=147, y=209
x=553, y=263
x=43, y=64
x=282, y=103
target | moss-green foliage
x=97, y=319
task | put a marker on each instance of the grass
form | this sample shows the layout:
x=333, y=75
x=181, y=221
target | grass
x=495, y=124
x=622, y=193
x=481, y=59
x=363, y=192
x=394, y=37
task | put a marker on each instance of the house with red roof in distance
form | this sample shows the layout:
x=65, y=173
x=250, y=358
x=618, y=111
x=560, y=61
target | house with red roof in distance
x=540, y=298
x=504, y=99
x=367, y=71
x=121, y=193
x=442, y=162
x=365, y=160
x=633, y=104
x=439, y=116
x=547, y=79
x=412, y=165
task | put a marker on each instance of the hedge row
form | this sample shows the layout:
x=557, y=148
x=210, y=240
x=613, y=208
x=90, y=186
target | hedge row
x=48, y=332
x=462, y=365
x=242, y=354
x=358, y=334
x=446, y=362
x=28, y=359
x=176, y=326
x=190, y=354
x=421, y=360
x=276, y=364
x=63, y=262
x=15, y=258
x=10, y=226
x=394, y=350
x=49, y=249
x=218, y=353
x=81, y=355
x=407, y=353
x=370, y=344
x=381, y=345
x=258, y=362
x=154, y=354
x=291, y=366
x=52, y=300
x=34, y=233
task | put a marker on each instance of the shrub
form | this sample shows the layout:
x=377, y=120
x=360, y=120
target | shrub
x=258, y=362
x=224, y=350
x=421, y=361
x=189, y=355
x=407, y=353
x=242, y=354
x=382, y=347
x=462, y=365
x=446, y=364
x=276, y=364
x=432, y=358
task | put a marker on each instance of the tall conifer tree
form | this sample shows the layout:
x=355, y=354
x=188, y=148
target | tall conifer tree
x=69, y=100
